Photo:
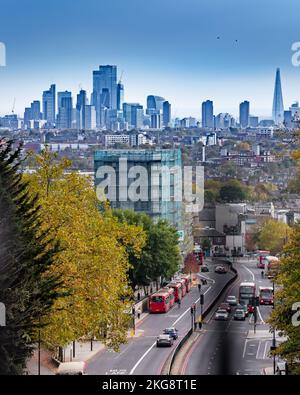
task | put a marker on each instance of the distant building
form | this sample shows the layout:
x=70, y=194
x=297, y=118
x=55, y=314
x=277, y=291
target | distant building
x=112, y=139
x=278, y=101
x=253, y=121
x=49, y=111
x=35, y=110
x=81, y=103
x=120, y=96
x=65, y=106
x=207, y=114
x=244, y=114
x=166, y=114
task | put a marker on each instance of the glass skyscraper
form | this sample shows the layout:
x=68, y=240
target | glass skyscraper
x=65, y=106
x=104, y=95
x=49, y=112
x=244, y=114
x=166, y=114
x=278, y=110
x=208, y=114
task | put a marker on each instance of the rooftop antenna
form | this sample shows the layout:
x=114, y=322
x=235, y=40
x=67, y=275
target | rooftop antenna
x=13, y=106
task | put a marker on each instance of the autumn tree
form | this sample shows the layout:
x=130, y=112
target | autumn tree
x=28, y=283
x=93, y=262
x=273, y=235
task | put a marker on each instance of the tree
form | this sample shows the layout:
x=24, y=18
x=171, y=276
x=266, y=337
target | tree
x=273, y=235
x=93, y=262
x=160, y=256
x=28, y=286
x=288, y=294
x=232, y=191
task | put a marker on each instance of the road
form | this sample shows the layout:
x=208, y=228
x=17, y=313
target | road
x=140, y=355
x=231, y=347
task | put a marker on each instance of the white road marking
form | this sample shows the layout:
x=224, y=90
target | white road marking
x=245, y=346
x=260, y=316
x=258, y=349
x=253, y=277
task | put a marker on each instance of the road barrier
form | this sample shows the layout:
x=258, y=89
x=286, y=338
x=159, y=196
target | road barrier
x=172, y=358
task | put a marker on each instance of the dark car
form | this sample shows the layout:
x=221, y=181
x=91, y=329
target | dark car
x=204, y=268
x=225, y=306
x=220, y=269
x=173, y=332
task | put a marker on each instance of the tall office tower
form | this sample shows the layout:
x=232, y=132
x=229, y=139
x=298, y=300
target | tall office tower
x=90, y=117
x=61, y=96
x=253, y=121
x=120, y=96
x=27, y=117
x=154, y=104
x=244, y=114
x=133, y=113
x=36, y=110
x=64, y=116
x=208, y=114
x=155, y=162
x=81, y=103
x=278, y=101
x=166, y=114
x=104, y=92
x=49, y=112
x=155, y=121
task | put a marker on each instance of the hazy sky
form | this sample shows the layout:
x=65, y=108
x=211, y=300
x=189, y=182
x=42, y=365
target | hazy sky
x=165, y=47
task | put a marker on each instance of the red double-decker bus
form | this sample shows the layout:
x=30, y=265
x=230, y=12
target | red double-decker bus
x=188, y=281
x=266, y=295
x=177, y=290
x=247, y=293
x=183, y=285
x=171, y=293
x=159, y=302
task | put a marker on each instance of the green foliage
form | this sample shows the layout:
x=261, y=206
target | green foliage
x=273, y=235
x=232, y=191
x=160, y=255
x=27, y=287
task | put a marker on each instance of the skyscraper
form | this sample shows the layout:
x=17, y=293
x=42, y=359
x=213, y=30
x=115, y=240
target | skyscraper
x=65, y=106
x=104, y=91
x=278, y=116
x=244, y=114
x=120, y=96
x=154, y=104
x=208, y=114
x=80, y=109
x=133, y=113
x=36, y=110
x=166, y=114
x=49, y=105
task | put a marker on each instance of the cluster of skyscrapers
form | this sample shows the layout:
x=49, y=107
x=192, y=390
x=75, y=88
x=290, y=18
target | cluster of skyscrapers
x=106, y=108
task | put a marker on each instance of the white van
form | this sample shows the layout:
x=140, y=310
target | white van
x=71, y=369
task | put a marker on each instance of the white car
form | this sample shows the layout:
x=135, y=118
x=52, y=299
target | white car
x=164, y=341
x=232, y=300
x=221, y=315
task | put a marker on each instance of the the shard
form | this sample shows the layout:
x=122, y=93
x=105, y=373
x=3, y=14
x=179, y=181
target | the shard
x=278, y=110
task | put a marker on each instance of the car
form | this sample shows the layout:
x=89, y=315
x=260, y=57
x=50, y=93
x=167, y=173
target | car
x=244, y=308
x=71, y=368
x=173, y=332
x=232, y=300
x=204, y=268
x=220, y=269
x=239, y=315
x=221, y=315
x=225, y=306
x=164, y=341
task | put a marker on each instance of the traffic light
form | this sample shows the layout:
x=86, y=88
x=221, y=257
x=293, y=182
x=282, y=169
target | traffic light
x=202, y=299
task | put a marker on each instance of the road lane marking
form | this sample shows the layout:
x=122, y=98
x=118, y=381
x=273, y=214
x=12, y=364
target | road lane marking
x=260, y=316
x=248, y=270
x=245, y=347
x=258, y=349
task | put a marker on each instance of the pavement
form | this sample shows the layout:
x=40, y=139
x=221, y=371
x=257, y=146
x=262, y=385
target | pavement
x=231, y=347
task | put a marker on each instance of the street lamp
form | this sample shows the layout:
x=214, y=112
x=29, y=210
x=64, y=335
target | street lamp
x=274, y=335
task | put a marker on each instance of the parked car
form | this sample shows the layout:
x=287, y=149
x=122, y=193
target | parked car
x=164, y=341
x=232, y=300
x=221, y=315
x=220, y=269
x=225, y=306
x=173, y=332
x=239, y=315
x=204, y=268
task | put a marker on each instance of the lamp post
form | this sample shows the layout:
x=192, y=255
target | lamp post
x=39, y=348
x=274, y=335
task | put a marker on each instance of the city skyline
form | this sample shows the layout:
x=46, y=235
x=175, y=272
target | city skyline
x=215, y=51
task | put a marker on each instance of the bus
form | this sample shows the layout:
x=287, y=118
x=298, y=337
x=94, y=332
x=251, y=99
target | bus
x=183, y=285
x=247, y=292
x=266, y=295
x=171, y=293
x=188, y=281
x=177, y=290
x=261, y=258
x=159, y=302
